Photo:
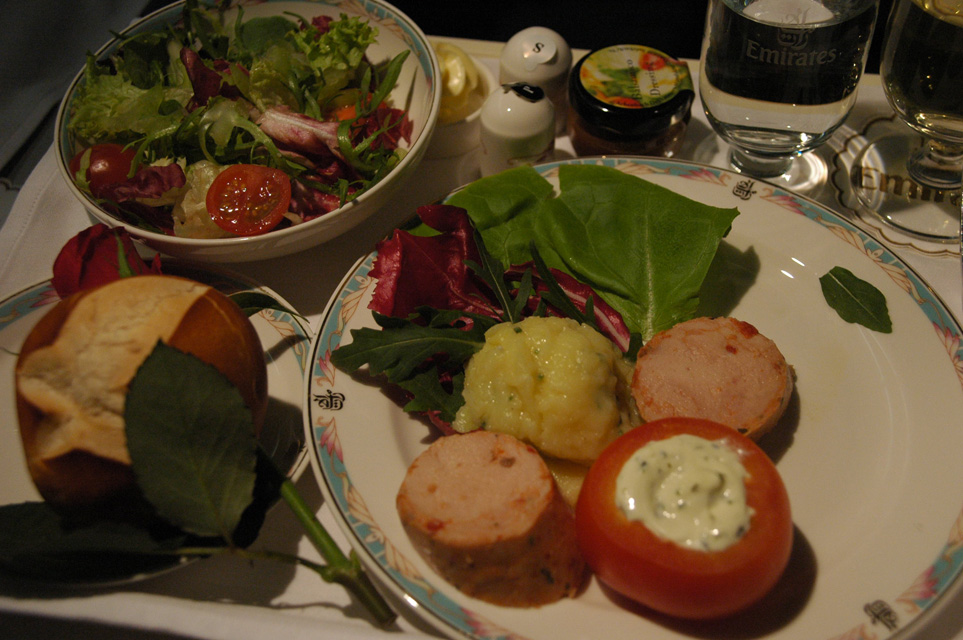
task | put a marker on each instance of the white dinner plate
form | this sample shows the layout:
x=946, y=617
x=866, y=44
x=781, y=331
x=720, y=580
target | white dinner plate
x=869, y=450
x=283, y=336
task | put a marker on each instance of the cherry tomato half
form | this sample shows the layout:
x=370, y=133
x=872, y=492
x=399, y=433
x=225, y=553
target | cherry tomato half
x=108, y=164
x=665, y=576
x=248, y=199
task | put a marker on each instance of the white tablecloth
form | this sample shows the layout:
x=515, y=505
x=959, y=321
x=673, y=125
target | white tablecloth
x=229, y=599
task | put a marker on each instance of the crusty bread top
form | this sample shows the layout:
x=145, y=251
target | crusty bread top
x=79, y=380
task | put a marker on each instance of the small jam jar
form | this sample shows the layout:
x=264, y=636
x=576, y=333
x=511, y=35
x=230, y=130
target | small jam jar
x=629, y=100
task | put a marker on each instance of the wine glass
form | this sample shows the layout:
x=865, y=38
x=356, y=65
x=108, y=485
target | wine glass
x=911, y=178
x=778, y=77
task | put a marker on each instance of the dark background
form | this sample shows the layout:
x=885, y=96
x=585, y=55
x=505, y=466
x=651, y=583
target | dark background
x=671, y=26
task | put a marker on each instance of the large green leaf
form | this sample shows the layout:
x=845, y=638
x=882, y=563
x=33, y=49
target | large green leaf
x=645, y=249
x=191, y=442
x=501, y=209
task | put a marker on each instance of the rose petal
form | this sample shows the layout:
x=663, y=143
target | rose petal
x=91, y=258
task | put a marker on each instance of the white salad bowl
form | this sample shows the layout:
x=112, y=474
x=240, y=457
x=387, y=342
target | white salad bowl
x=417, y=91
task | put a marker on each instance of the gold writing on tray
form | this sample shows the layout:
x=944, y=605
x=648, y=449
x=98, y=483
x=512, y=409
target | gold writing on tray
x=871, y=179
x=330, y=400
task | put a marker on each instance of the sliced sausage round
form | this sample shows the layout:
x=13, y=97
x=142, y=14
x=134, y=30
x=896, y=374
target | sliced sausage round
x=720, y=369
x=484, y=511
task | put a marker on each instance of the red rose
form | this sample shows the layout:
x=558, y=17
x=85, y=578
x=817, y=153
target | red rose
x=95, y=256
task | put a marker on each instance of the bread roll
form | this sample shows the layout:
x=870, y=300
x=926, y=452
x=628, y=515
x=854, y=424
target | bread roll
x=76, y=364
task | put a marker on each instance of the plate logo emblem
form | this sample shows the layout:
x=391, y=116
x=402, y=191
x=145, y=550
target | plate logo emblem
x=330, y=401
x=880, y=612
x=744, y=189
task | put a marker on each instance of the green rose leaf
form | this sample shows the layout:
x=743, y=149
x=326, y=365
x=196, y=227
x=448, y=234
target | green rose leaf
x=191, y=442
x=856, y=300
x=252, y=302
x=35, y=541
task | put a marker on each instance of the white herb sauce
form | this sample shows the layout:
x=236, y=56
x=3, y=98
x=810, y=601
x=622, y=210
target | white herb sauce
x=688, y=490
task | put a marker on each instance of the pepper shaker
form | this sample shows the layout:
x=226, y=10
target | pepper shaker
x=539, y=56
x=517, y=128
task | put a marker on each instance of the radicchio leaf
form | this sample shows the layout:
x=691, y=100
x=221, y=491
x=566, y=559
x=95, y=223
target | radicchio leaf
x=149, y=182
x=414, y=271
x=607, y=320
x=207, y=82
x=300, y=133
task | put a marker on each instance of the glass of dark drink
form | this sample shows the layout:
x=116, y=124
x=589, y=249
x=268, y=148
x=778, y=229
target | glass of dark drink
x=778, y=77
x=912, y=179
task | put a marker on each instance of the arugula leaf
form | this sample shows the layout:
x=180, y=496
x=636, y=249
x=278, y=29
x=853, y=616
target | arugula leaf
x=493, y=273
x=424, y=354
x=856, y=300
x=429, y=394
x=404, y=345
x=194, y=457
x=643, y=248
x=364, y=155
x=555, y=296
x=526, y=289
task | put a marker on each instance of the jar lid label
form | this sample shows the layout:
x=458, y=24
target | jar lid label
x=633, y=76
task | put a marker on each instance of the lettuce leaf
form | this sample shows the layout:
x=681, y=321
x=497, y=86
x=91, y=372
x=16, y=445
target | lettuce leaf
x=110, y=107
x=643, y=248
x=335, y=55
x=274, y=78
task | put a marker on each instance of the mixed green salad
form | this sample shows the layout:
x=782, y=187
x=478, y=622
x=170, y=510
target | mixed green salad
x=609, y=249
x=212, y=127
x=606, y=248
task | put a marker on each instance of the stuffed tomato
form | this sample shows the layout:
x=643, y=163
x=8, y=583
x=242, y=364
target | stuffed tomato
x=687, y=517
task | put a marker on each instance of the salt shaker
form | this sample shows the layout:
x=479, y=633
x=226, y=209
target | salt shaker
x=539, y=56
x=517, y=128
